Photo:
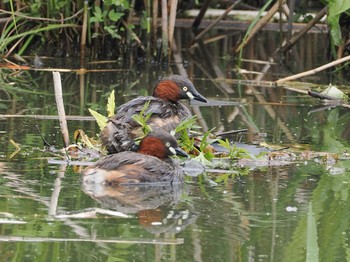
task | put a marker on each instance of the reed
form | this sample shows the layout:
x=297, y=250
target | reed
x=60, y=108
x=165, y=36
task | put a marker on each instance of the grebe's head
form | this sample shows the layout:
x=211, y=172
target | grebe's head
x=160, y=144
x=175, y=88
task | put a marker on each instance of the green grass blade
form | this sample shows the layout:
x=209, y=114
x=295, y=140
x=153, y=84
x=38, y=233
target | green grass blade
x=100, y=119
x=111, y=104
x=8, y=40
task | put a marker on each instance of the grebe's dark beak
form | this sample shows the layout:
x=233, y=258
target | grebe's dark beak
x=180, y=152
x=194, y=94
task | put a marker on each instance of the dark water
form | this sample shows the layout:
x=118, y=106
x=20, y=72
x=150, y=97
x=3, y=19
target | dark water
x=293, y=212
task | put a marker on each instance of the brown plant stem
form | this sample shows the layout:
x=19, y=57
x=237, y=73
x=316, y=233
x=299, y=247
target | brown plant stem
x=260, y=24
x=165, y=36
x=154, y=21
x=201, y=14
x=304, y=30
x=172, y=19
x=84, y=29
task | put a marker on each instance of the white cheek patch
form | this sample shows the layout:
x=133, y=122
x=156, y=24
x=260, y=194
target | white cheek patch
x=172, y=150
x=189, y=94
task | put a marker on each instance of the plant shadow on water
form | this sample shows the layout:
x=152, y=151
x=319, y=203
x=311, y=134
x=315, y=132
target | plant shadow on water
x=295, y=211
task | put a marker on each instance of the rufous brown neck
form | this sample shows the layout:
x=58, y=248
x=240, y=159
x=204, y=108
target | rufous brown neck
x=167, y=90
x=152, y=146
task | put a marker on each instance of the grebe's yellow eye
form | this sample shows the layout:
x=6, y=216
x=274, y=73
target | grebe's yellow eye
x=167, y=144
x=185, y=88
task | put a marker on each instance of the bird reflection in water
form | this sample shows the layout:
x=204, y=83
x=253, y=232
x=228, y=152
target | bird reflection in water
x=154, y=204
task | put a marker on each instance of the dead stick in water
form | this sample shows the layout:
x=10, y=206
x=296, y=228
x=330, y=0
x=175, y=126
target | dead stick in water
x=314, y=71
x=60, y=107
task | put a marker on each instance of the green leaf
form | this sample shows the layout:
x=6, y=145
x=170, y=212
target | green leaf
x=115, y=16
x=335, y=8
x=98, y=14
x=100, y=119
x=142, y=118
x=112, y=31
x=312, y=249
x=186, y=124
x=111, y=104
x=203, y=160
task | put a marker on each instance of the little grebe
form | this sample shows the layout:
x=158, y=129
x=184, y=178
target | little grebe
x=166, y=113
x=151, y=163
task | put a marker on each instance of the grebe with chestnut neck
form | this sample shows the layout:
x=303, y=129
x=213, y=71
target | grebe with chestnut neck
x=150, y=164
x=165, y=109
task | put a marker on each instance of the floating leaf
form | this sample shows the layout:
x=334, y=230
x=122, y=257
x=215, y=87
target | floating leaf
x=333, y=91
x=111, y=104
x=100, y=119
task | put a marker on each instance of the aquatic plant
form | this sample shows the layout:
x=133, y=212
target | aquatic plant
x=335, y=10
x=30, y=26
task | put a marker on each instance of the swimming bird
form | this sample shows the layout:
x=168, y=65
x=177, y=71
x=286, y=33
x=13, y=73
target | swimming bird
x=165, y=110
x=150, y=164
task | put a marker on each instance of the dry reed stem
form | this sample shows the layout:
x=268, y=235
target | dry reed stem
x=49, y=117
x=260, y=24
x=155, y=21
x=165, y=36
x=60, y=107
x=172, y=19
x=154, y=241
x=84, y=29
x=314, y=71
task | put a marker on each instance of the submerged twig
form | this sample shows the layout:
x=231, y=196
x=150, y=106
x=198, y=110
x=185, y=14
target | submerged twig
x=155, y=241
x=42, y=137
x=49, y=117
x=60, y=107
